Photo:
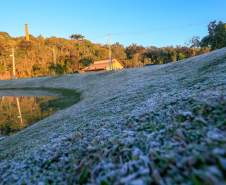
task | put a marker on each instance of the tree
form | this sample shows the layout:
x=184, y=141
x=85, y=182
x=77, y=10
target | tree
x=195, y=42
x=118, y=51
x=216, y=38
x=43, y=56
x=134, y=55
x=77, y=37
x=134, y=49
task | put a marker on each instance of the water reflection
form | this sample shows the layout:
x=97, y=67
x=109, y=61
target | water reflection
x=17, y=113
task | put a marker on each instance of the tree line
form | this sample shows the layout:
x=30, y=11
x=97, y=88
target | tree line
x=55, y=56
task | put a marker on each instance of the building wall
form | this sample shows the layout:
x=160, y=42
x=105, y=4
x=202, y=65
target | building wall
x=115, y=65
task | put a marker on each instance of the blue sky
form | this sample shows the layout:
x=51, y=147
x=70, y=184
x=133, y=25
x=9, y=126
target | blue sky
x=146, y=22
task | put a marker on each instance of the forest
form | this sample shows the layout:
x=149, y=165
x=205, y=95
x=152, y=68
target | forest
x=56, y=56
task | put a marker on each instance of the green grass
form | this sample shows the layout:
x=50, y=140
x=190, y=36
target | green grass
x=67, y=98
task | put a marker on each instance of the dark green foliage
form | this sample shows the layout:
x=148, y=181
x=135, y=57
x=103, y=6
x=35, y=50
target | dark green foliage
x=216, y=38
x=85, y=62
x=84, y=176
x=58, y=69
x=6, y=129
x=195, y=42
x=77, y=36
x=169, y=54
x=104, y=182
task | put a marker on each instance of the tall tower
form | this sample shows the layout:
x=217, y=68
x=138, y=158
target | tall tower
x=27, y=36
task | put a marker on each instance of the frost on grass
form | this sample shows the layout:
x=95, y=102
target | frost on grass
x=162, y=124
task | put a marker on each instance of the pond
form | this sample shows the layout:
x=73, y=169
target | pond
x=22, y=108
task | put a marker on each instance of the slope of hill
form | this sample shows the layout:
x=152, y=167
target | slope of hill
x=162, y=124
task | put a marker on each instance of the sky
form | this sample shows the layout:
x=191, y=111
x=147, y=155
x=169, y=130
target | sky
x=146, y=22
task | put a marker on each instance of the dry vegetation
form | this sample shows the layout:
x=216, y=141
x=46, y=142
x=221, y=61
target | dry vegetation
x=55, y=56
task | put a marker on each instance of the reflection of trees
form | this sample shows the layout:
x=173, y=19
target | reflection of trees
x=18, y=113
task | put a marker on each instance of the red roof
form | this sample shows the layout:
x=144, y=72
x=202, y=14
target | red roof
x=98, y=66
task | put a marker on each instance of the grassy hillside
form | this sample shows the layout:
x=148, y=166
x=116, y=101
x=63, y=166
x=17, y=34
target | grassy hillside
x=162, y=124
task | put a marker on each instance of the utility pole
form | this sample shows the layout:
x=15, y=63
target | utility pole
x=54, y=55
x=52, y=49
x=54, y=59
x=13, y=63
x=109, y=51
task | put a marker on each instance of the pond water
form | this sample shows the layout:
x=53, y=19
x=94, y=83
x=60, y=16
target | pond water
x=19, y=112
